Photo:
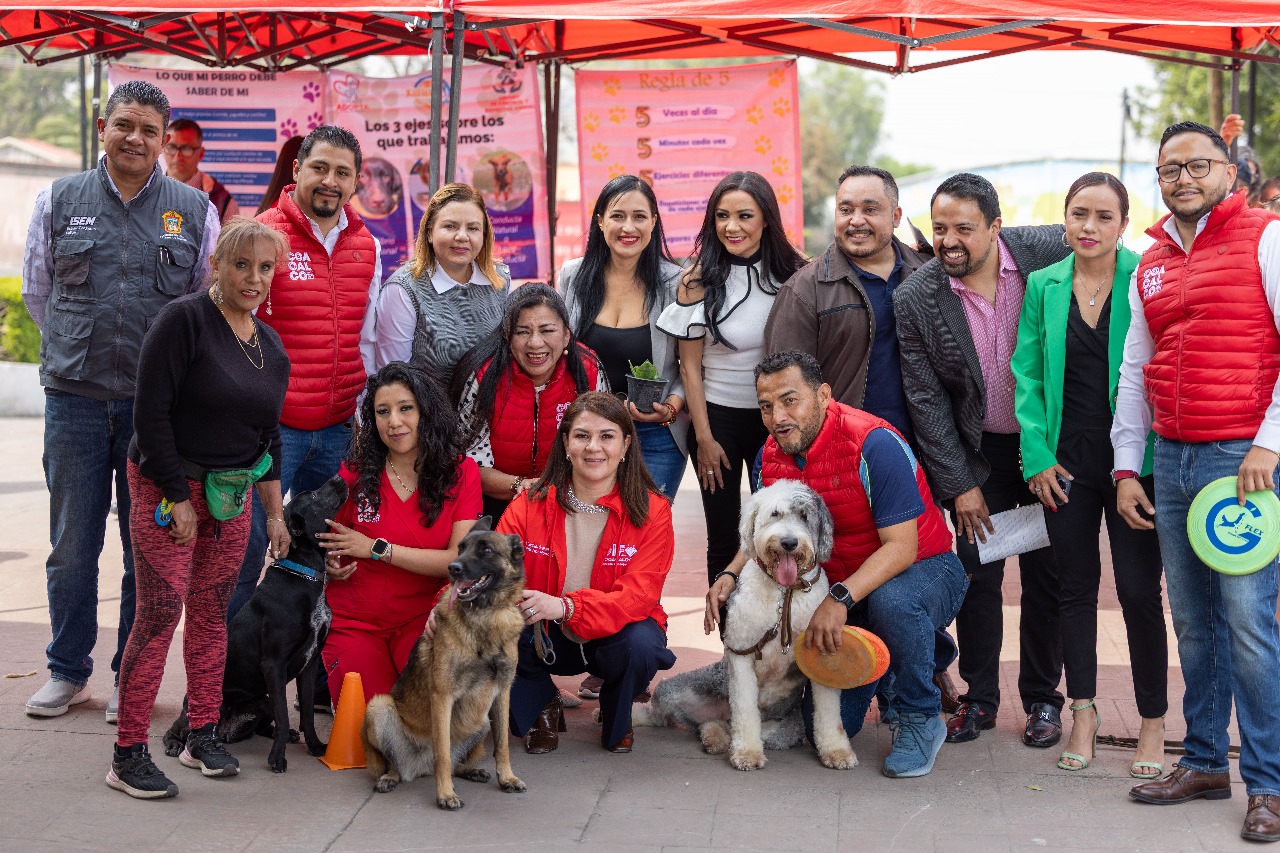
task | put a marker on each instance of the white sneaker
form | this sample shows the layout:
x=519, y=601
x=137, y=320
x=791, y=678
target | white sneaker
x=56, y=697
x=113, y=706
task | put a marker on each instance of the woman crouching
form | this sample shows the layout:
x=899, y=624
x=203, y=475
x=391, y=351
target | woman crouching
x=598, y=544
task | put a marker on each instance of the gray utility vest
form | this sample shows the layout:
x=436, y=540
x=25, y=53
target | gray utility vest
x=115, y=266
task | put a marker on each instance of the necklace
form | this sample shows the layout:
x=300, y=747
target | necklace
x=396, y=474
x=1093, y=297
x=579, y=506
x=253, y=341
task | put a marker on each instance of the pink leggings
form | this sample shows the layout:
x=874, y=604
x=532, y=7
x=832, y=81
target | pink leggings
x=199, y=576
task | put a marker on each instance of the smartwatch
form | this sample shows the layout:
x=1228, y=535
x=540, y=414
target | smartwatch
x=380, y=550
x=841, y=593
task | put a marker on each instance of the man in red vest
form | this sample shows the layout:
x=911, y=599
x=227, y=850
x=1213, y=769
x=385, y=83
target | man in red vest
x=1201, y=366
x=892, y=568
x=317, y=304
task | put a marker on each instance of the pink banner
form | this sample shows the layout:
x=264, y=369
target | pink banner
x=683, y=129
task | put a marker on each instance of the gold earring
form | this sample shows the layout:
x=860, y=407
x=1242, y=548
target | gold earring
x=215, y=292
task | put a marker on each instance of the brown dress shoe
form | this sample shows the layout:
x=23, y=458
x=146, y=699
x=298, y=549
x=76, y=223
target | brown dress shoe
x=1262, y=823
x=1183, y=785
x=624, y=745
x=543, y=737
x=950, y=696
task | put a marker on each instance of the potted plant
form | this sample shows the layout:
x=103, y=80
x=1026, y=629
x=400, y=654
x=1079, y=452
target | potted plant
x=645, y=387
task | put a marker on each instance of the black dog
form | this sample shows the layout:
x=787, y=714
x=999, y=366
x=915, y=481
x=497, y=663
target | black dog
x=276, y=638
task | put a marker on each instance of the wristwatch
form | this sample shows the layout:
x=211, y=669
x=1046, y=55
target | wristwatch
x=1119, y=474
x=380, y=550
x=841, y=593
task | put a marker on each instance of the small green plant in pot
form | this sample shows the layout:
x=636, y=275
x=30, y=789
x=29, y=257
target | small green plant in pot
x=645, y=387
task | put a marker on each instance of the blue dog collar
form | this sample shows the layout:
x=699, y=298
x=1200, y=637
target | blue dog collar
x=299, y=570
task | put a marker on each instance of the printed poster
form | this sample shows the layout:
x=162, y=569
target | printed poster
x=245, y=117
x=500, y=153
x=683, y=129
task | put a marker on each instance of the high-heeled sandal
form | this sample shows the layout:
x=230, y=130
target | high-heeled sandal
x=1156, y=768
x=543, y=737
x=1074, y=756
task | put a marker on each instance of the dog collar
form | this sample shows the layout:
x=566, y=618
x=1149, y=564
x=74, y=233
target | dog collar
x=299, y=570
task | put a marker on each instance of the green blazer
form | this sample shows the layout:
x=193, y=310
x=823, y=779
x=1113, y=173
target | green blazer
x=1040, y=357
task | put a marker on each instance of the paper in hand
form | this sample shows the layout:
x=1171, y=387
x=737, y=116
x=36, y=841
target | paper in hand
x=1017, y=531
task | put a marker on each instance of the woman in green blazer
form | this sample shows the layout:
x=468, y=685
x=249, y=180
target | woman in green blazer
x=1067, y=365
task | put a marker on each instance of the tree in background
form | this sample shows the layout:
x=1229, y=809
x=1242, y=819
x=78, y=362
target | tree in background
x=42, y=102
x=1181, y=93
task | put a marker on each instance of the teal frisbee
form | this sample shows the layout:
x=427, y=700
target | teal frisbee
x=1234, y=539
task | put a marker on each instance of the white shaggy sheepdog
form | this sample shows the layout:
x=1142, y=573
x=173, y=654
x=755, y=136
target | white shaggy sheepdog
x=786, y=531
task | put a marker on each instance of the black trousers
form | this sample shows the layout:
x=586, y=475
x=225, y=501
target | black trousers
x=980, y=623
x=741, y=434
x=627, y=661
x=1135, y=556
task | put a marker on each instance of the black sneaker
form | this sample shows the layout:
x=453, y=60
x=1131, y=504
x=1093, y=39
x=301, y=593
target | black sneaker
x=205, y=750
x=133, y=772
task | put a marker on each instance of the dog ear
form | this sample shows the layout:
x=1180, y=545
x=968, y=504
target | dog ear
x=295, y=522
x=826, y=529
x=485, y=523
x=747, y=526
x=517, y=546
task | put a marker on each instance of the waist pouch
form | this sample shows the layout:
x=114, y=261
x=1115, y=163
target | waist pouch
x=227, y=491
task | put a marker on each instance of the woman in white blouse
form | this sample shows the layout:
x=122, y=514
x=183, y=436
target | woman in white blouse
x=740, y=259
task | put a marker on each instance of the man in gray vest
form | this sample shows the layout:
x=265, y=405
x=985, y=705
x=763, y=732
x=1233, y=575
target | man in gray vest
x=106, y=250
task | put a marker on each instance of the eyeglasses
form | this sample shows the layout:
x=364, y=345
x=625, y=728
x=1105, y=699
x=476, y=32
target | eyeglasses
x=1198, y=168
x=1273, y=203
x=188, y=150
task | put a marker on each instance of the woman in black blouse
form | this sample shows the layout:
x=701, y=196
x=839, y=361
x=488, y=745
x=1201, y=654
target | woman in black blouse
x=211, y=382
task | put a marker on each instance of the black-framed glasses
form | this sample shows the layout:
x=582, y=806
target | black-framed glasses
x=187, y=150
x=1197, y=168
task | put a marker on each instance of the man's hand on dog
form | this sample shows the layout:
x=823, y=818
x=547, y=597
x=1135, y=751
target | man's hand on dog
x=278, y=535
x=826, y=628
x=183, y=525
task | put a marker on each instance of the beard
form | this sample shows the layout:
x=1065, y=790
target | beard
x=966, y=265
x=1209, y=200
x=800, y=439
x=865, y=250
x=324, y=207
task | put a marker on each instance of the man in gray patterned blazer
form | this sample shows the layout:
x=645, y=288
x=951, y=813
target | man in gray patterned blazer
x=957, y=328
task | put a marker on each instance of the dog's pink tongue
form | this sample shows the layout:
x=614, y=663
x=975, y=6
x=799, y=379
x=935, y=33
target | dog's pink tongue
x=453, y=595
x=786, y=571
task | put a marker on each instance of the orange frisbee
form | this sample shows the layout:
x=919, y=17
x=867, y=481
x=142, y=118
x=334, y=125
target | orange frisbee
x=862, y=658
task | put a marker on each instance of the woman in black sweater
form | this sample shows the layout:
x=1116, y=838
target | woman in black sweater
x=211, y=382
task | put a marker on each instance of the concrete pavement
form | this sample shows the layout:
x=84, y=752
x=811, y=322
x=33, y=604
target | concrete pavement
x=990, y=795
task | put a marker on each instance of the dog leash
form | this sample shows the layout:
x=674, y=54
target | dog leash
x=783, y=625
x=542, y=642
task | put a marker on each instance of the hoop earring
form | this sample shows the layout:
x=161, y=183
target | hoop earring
x=1120, y=242
x=1062, y=238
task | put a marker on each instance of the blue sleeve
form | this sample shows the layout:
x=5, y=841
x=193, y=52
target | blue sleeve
x=888, y=474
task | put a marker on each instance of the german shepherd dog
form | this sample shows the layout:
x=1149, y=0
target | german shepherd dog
x=456, y=687
x=276, y=638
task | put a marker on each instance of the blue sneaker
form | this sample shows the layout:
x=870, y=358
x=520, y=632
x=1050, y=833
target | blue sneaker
x=919, y=737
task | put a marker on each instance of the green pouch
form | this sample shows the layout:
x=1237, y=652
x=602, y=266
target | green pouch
x=227, y=492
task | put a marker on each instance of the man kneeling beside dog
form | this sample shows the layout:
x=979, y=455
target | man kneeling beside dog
x=892, y=570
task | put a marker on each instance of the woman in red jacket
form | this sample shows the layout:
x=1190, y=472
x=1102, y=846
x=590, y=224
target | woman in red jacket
x=598, y=544
x=513, y=388
x=413, y=497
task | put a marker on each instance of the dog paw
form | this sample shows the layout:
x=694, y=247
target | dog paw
x=512, y=785
x=839, y=759
x=715, y=738
x=385, y=784
x=450, y=803
x=748, y=760
x=279, y=766
x=173, y=750
x=316, y=748
x=295, y=737
x=473, y=774
x=597, y=717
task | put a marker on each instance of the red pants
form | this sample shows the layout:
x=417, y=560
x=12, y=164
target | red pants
x=199, y=576
x=378, y=654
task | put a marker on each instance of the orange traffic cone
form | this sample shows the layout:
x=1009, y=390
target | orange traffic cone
x=345, y=750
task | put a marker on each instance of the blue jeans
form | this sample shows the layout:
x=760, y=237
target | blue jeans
x=86, y=443
x=662, y=457
x=308, y=459
x=907, y=612
x=1226, y=626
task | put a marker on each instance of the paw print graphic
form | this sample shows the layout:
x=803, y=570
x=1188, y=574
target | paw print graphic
x=311, y=91
x=314, y=120
x=612, y=85
x=590, y=122
x=785, y=194
x=782, y=107
x=288, y=128
x=781, y=166
x=777, y=77
x=791, y=236
x=755, y=115
x=617, y=114
x=763, y=145
x=599, y=151
x=616, y=170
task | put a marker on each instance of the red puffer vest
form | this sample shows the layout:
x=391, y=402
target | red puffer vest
x=318, y=305
x=522, y=433
x=832, y=470
x=1217, y=352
